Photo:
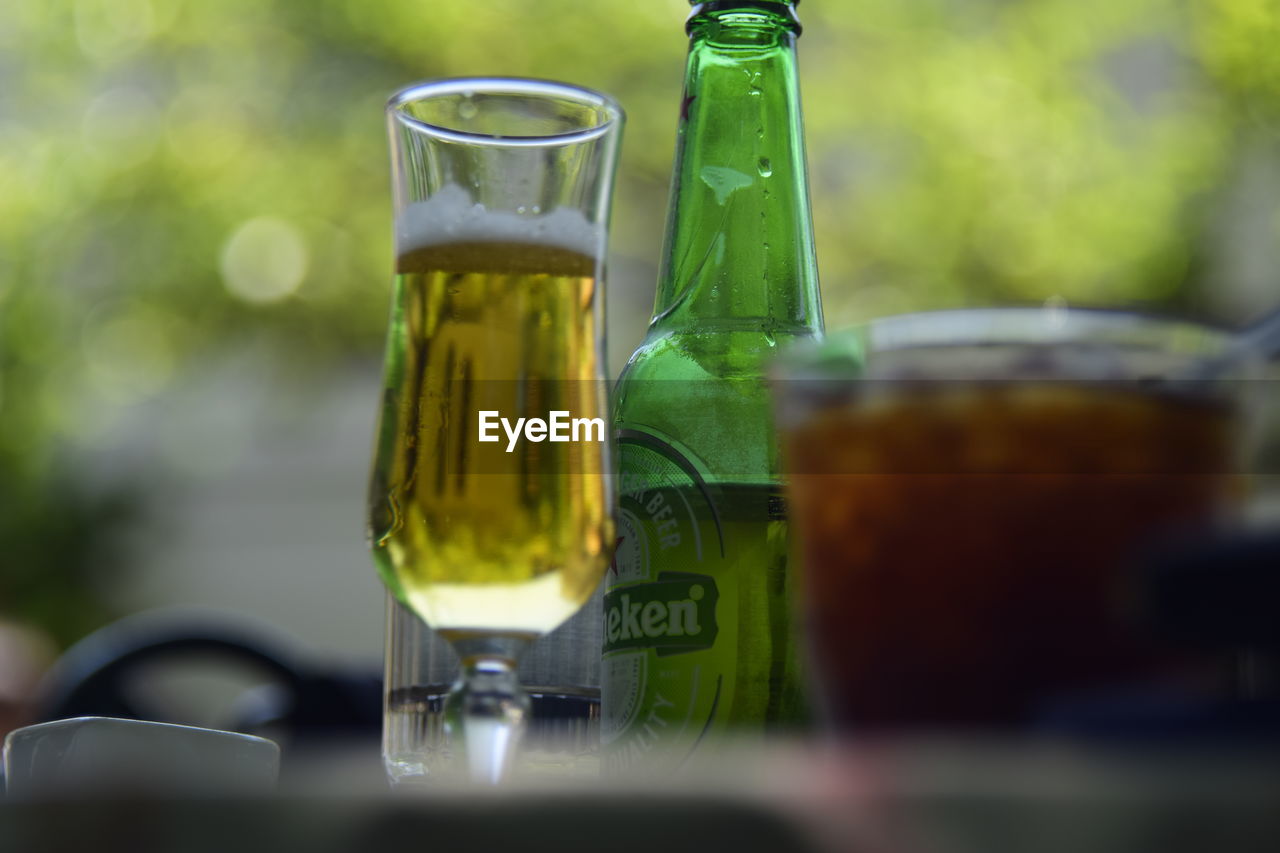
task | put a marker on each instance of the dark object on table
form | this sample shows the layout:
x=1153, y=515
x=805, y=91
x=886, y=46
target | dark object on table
x=1219, y=593
x=1218, y=596
x=302, y=704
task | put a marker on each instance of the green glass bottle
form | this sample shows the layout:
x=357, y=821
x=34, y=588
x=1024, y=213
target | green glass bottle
x=698, y=639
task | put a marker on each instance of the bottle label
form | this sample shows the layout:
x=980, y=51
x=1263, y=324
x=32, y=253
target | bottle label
x=669, y=612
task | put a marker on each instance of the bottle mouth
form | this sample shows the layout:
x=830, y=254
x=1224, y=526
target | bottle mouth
x=728, y=3
x=776, y=9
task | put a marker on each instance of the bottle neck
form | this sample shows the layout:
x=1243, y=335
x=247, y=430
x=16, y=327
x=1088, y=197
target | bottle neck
x=739, y=242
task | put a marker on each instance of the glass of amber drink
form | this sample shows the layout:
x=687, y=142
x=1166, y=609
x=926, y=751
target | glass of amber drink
x=493, y=530
x=972, y=490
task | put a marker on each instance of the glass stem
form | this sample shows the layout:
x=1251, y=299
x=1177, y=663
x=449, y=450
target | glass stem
x=487, y=711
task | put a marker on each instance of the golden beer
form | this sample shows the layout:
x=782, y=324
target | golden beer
x=499, y=536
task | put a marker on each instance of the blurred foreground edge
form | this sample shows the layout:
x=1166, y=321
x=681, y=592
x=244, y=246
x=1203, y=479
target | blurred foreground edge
x=529, y=824
x=1044, y=795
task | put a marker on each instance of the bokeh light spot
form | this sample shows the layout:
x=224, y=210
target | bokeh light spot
x=206, y=127
x=129, y=351
x=264, y=260
x=110, y=29
x=119, y=127
x=1055, y=311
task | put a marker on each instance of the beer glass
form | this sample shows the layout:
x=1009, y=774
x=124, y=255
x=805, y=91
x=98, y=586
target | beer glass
x=491, y=499
x=973, y=491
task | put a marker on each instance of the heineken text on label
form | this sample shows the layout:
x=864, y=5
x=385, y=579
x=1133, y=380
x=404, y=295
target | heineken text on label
x=676, y=613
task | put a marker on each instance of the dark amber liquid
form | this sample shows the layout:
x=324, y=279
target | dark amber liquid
x=969, y=558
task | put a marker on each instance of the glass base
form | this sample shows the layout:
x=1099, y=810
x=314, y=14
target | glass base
x=563, y=737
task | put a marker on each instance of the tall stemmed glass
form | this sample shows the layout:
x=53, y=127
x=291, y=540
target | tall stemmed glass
x=495, y=534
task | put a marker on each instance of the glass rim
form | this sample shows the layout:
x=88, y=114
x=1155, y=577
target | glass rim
x=1045, y=324
x=845, y=352
x=533, y=87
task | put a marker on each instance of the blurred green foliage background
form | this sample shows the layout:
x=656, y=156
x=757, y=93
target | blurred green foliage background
x=183, y=177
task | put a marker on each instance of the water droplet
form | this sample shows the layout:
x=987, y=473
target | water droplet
x=724, y=181
x=467, y=109
x=536, y=208
x=764, y=167
x=521, y=209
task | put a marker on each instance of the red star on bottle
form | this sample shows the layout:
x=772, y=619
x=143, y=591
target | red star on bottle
x=613, y=564
x=684, y=106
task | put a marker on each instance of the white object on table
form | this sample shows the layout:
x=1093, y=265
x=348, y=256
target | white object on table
x=95, y=755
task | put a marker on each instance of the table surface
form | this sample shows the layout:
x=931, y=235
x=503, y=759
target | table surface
x=910, y=796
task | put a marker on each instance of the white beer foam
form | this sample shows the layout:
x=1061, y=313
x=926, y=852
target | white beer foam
x=451, y=216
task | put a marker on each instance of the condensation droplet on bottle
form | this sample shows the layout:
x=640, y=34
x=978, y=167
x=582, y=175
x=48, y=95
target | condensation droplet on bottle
x=770, y=328
x=467, y=109
x=764, y=167
x=536, y=208
x=522, y=209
